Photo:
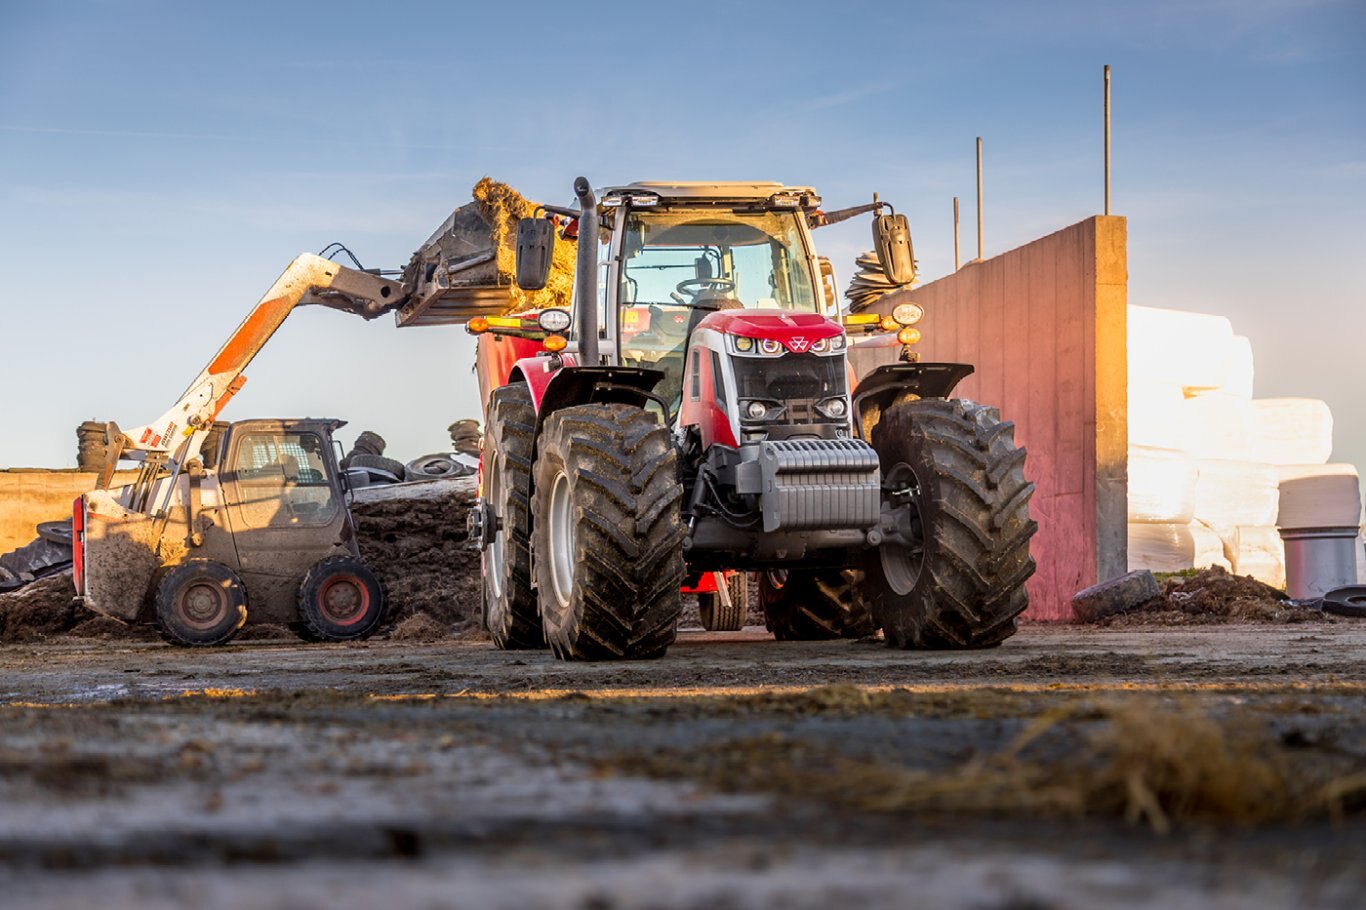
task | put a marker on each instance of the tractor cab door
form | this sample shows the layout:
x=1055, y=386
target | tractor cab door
x=284, y=506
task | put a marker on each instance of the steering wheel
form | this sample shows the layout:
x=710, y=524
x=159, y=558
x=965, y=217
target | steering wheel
x=696, y=286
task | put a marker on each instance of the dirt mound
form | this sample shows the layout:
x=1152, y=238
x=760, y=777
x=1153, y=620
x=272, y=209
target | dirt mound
x=1212, y=596
x=41, y=608
x=419, y=550
x=418, y=627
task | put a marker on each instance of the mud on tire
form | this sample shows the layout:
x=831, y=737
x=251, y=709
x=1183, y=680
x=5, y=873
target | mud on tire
x=510, y=613
x=964, y=503
x=814, y=604
x=608, y=540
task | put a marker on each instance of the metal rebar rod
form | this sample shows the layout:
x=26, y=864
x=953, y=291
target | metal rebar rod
x=957, y=256
x=979, y=199
x=1107, y=139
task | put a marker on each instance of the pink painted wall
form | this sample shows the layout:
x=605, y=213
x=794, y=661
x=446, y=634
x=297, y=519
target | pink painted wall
x=1045, y=326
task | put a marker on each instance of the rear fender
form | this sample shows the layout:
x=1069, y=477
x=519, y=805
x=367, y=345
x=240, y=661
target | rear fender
x=887, y=385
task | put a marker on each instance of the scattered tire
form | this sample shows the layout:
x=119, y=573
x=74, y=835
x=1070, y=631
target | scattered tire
x=200, y=603
x=1114, y=596
x=58, y=532
x=510, y=612
x=608, y=539
x=9, y=581
x=379, y=466
x=340, y=599
x=91, y=450
x=428, y=467
x=814, y=604
x=957, y=577
x=716, y=616
x=1348, y=601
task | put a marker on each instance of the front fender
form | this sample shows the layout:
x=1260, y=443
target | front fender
x=888, y=384
x=606, y=384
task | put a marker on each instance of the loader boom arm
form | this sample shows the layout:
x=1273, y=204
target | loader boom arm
x=309, y=279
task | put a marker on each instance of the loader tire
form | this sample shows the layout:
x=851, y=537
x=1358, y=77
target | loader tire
x=340, y=599
x=814, y=604
x=716, y=616
x=200, y=603
x=510, y=613
x=608, y=540
x=956, y=578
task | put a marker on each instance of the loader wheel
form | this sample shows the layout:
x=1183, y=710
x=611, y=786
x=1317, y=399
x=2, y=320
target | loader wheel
x=510, y=613
x=814, y=604
x=953, y=576
x=200, y=603
x=608, y=541
x=340, y=599
x=716, y=616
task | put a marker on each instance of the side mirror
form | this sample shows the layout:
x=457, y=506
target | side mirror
x=535, y=247
x=892, y=241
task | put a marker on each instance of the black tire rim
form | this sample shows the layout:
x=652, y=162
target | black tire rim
x=202, y=605
x=903, y=556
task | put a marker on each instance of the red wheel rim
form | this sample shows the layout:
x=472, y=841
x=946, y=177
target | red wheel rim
x=344, y=600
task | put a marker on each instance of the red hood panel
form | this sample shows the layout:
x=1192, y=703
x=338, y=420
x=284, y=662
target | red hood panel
x=772, y=324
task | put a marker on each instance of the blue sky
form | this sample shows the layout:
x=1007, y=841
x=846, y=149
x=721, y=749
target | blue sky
x=160, y=163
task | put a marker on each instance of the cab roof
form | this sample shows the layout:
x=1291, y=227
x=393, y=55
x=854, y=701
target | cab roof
x=697, y=189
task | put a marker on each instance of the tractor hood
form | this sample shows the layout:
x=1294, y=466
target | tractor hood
x=796, y=331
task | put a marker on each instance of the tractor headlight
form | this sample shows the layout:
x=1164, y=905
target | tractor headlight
x=553, y=320
x=742, y=344
x=756, y=410
x=834, y=408
x=820, y=346
x=770, y=347
x=908, y=313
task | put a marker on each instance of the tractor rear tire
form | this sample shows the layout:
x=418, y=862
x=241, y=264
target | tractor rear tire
x=814, y=604
x=716, y=616
x=510, y=613
x=608, y=540
x=956, y=579
x=200, y=603
x=340, y=599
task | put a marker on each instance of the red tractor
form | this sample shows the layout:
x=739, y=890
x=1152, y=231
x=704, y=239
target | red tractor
x=695, y=413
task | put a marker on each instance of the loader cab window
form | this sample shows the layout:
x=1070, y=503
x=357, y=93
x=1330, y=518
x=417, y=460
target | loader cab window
x=282, y=480
x=678, y=265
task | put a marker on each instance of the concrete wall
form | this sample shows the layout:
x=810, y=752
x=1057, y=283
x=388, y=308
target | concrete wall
x=1045, y=326
x=28, y=497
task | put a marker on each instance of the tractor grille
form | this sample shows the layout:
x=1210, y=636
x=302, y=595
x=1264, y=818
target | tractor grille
x=790, y=377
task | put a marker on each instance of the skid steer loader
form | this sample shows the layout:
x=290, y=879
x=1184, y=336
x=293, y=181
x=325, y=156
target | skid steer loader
x=221, y=521
x=695, y=413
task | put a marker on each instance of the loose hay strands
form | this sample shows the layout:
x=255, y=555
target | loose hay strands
x=1147, y=761
x=502, y=207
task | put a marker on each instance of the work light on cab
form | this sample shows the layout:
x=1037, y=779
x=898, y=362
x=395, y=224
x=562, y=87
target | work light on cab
x=553, y=320
x=908, y=313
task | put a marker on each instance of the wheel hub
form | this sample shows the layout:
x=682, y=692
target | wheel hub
x=902, y=552
x=202, y=604
x=561, y=554
x=343, y=599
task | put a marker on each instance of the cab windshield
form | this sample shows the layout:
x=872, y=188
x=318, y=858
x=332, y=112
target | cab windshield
x=678, y=265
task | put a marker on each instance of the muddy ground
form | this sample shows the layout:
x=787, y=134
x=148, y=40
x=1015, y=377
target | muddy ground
x=1139, y=766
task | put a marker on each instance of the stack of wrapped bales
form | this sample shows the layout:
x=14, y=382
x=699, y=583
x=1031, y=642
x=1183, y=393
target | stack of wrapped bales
x=1213, y=472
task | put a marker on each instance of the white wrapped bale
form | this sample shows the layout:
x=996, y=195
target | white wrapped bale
x=1319, y=496
x=1160, y=547
x=1259, y=552
x=1161, y=486
x=1291, y=431
x=1238, y=373
x=1208, y=548
x=1173, y=347
x=1232, y=493
x=1219, y=426
x=1157, y=416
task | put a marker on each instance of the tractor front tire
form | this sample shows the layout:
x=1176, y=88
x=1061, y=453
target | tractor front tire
x=814, y=604
x=608, y=541
x=200, y=603
x=954, y=575
x=340, y=599
x=510, y=613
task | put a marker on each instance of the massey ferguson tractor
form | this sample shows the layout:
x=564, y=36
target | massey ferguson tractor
x=695, y=413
